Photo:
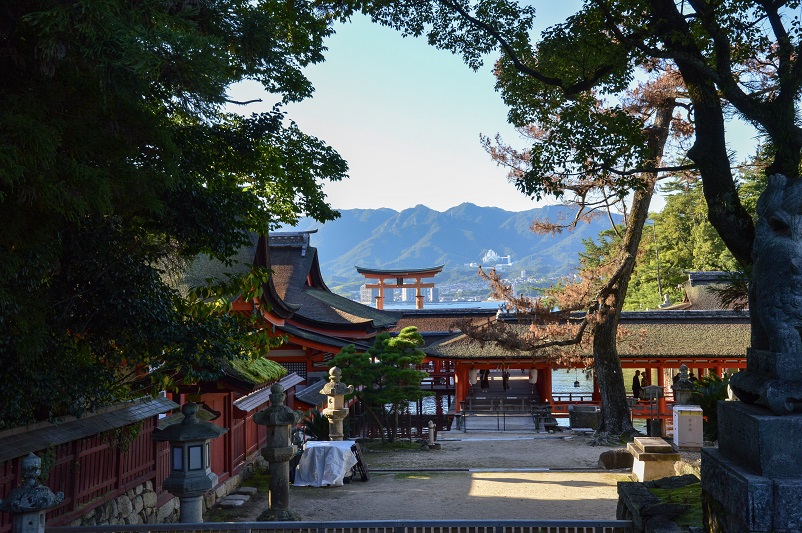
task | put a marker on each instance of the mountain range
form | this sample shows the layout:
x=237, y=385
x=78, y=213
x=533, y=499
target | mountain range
x=456, y=238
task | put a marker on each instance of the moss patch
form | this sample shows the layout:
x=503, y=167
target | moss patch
x=690, y=495
x=256, y=372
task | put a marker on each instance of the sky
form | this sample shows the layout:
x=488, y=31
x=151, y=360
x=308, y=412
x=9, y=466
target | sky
x=408, y=117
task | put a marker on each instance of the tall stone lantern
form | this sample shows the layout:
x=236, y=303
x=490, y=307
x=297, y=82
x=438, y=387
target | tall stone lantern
x=683, y=388
x=30, y=501
x=278, y=451
x=190, y=464
x=336, y=410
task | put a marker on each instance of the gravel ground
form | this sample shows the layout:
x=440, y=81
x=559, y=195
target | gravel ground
x=474, y=476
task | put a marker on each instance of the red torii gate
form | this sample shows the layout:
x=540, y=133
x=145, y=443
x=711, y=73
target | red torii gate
x=397, y=277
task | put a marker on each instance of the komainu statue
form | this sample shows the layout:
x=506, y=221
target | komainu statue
x=774, y=363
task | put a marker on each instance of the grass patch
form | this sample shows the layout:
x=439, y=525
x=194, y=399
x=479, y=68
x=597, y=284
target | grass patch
x=259, y=479
x=690, y=495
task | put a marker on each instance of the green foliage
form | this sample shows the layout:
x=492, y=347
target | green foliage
x=710, y=389
x=118, y=164
x=316, y=426
x=683, y=239
x=123, y=437
x=384, y=377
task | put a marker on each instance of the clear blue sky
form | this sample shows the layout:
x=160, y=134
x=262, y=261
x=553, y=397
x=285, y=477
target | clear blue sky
x=407, y=118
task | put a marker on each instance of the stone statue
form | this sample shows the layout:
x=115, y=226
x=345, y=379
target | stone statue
x=775, y=298
x=774, y=362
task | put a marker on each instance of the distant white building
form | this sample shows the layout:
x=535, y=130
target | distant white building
x=368, y=296
x=429, y=295
x=492, y=258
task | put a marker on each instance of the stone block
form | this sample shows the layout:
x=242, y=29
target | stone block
x=767, y=444
x=787, y=511
x=247, y=490
x=149, y=499
x=653, y=458
x=652, y=445
x=138, y=504
x=615, y=459
x=240, y=497
x=584, y=416
x=209, y=499
x=227, y=503
x=165, y=511
x=125, y=506
x=744, y=496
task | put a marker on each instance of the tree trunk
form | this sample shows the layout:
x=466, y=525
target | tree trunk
x=615, y=416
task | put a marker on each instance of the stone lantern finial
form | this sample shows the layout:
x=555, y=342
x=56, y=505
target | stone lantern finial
x=335, y=386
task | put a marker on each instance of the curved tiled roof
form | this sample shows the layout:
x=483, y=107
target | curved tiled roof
x=399, y=272
x=648, y=334
x=297, y=281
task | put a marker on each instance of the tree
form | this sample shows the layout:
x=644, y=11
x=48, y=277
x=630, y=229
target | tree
x=118, y=164
x=739, y=54
x=385, y=377
x=683, y=239
x=733, y=56
x=594, y=153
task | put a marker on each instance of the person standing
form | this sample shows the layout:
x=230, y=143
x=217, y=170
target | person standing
x=636, y=385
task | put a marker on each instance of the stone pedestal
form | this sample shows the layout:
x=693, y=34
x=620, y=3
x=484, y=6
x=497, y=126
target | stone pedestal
x=753, y=481
x=653, y=458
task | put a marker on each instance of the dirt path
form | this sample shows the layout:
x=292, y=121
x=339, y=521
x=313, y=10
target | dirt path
x=496, y=479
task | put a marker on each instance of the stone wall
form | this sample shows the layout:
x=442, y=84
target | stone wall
x=138, y=505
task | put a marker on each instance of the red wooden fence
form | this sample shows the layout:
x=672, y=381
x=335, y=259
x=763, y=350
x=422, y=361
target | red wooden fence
x=92, y=471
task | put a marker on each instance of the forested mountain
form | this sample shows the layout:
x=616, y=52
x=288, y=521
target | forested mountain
x=421, y=237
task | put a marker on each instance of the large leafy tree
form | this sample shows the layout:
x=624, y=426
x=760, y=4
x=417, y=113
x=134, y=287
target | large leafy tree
x=732, y=56
x=119, y=162
x=729, y=54
x=385, y=376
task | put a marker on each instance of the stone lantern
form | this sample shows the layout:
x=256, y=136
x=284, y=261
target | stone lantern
x=279, y=420
x=29, y=502
x=190, y=464
x=336, y=410
x=683, y=388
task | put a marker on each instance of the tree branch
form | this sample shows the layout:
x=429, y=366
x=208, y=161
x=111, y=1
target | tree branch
x=521, y=67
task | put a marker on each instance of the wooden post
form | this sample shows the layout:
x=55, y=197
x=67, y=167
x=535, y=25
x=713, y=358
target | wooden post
x=661, y=402
x=380, y=297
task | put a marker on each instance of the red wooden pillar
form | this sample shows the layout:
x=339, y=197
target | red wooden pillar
x=380, y=297
x=661, y=381
x=461, y=385
x=596, y=396
x=544, y=384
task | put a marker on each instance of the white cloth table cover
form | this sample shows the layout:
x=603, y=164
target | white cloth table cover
x=324, y=463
